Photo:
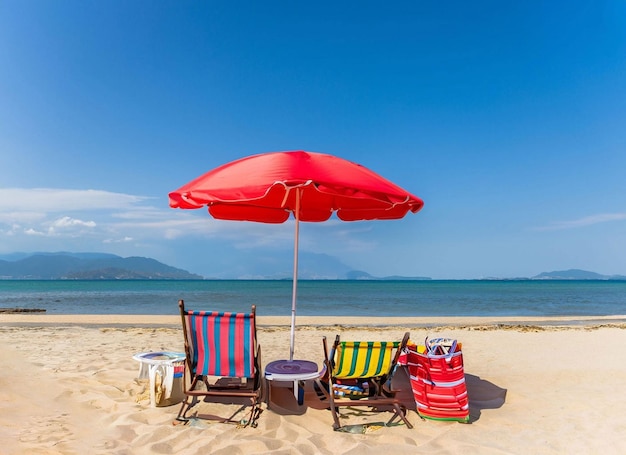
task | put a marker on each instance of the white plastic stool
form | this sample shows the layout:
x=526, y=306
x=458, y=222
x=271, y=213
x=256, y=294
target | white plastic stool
x=290, y=373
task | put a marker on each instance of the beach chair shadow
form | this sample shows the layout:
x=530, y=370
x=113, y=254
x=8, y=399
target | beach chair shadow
x=359, y=374
x=483, y=395
x=223, y=361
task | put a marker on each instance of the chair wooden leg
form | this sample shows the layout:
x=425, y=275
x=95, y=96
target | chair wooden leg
x=182, y=417
x=401, y=413
x=334, y=410
x=188, y=402
x=255, y=413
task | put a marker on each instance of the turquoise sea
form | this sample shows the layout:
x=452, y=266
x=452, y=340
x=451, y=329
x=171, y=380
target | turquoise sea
x=361, y=298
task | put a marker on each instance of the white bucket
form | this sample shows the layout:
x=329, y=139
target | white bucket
x=164, y=371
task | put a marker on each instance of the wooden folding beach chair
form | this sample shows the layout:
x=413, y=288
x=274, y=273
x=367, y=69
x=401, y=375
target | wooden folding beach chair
x=359, y=374
x=223, y=362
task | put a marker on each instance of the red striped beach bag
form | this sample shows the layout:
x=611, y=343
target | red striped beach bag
x=437, y=379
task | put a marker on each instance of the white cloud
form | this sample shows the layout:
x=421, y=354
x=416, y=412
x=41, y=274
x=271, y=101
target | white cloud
x=70, y=214
x=25, y=216
x=66, y=221
x=122, y=240
x=73, y=220
x=100, y=216
x=49, y=200
x=582, y=222
x=31, y=231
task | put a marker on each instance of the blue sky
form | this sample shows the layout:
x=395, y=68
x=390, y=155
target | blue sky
x=506, y=118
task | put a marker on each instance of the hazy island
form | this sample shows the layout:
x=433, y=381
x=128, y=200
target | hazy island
x=104, y=266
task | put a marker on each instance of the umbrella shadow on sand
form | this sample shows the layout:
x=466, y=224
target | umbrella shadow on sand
x=483, y=395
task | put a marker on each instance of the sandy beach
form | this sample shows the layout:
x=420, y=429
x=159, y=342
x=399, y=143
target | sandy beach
x=547, y=386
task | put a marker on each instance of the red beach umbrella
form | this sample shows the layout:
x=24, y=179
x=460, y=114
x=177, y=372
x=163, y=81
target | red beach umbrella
x=268, y=187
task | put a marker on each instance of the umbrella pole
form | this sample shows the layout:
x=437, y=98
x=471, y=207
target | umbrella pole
x=294, y=291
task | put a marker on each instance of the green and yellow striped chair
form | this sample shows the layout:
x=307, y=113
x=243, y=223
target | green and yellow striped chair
x=358, y=372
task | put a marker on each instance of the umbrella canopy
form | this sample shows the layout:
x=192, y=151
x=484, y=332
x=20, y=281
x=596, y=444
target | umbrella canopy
x=268, y=187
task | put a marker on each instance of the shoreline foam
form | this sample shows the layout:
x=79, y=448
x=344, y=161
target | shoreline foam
x=319, y=321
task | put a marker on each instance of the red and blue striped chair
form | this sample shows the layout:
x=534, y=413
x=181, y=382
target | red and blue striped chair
x=223, y=361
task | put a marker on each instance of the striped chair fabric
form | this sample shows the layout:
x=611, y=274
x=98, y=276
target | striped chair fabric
x=221, y=343
x=360, y=375
x=363, y=359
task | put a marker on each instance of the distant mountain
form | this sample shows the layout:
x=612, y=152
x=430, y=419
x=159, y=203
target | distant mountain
x=319, y=266
x=89, y=266
x=94, y=266
x=271, y=265
x=312, y=266
x=576, y=274
x=360, y=275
